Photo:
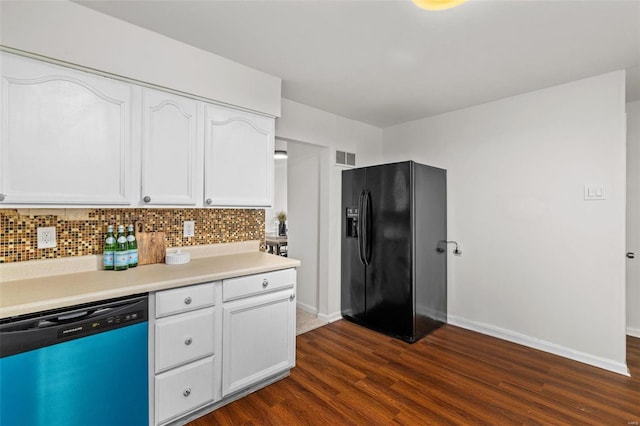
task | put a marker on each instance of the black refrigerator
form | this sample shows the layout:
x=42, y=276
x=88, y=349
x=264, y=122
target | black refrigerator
x=394, y=258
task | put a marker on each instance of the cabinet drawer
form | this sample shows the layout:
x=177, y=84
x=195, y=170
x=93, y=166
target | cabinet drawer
x=183, y=338
x=184, y=389
x=184, y=299
x=235, y=288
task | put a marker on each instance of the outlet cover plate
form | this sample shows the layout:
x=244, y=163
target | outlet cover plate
x=189, y=228
x=46, y=237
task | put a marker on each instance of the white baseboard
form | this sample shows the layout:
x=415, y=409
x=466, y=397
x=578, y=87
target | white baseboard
x=307, y=308
x=633, y=332
x=331, y=317
x=542, y=345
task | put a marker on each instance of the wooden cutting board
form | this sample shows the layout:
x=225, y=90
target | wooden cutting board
x=151, y=246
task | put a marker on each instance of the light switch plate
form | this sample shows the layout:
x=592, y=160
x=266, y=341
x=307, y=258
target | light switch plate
x=594, y=192
x=46, y=237
x=189, y=228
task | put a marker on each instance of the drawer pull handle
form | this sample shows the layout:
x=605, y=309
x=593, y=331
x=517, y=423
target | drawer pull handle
x=293, y=296
x=146, y=199
x=265, y=283
x=188, y=341
x=187, y=300
x=187, y=392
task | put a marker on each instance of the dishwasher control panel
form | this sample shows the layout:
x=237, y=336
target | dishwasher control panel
x=102, y=324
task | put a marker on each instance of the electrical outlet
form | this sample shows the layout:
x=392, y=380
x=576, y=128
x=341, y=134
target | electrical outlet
x=47, y=237
x=189, y=228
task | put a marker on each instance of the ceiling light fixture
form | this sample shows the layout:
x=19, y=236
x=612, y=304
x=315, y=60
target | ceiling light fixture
x=280, y=154
x=437, y=4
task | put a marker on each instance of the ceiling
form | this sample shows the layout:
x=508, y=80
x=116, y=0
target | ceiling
x=388, y=62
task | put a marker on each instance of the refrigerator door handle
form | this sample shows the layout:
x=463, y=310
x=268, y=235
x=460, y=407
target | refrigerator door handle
x=360, y=227
x=367, y=228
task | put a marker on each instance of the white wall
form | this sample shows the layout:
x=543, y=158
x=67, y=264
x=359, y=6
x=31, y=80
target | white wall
x=310, y=125
x=304, y=213
x=72, y=33
x=540, y=265
x=633, y=218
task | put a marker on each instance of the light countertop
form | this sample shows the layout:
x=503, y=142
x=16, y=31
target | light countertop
x=23, y=296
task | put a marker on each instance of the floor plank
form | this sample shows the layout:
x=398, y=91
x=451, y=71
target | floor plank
x=348, y=375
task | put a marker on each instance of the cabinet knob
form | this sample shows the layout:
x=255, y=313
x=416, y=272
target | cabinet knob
x=2, y=197
x=265, y=283
x=293, y=296
x=208, y=201
x=188, y=341
x=146, y=199
x=187, y=300
x=187, y=391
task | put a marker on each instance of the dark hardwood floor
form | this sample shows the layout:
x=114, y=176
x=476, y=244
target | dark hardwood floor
x=348, y=375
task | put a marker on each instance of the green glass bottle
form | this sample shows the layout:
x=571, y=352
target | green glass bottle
x=132, y=245
x=109, y=249
x=121, y=261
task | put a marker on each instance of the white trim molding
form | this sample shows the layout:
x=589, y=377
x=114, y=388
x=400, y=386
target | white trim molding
x=633, y=332
x=335, y=316
x=307, y=308
x=532, y=342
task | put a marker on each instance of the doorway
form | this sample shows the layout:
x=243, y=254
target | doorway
x=633, y=219
x=297, y=183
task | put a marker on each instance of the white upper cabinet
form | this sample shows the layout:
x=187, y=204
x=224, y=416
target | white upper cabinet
x=65, y=136
x=169, y=147
x=74, y=138
x=238, y=158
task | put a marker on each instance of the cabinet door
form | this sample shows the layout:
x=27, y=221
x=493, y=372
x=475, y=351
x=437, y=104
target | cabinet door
x=168, y=149
x=238, y=158
x=65, y=135
x=258, y=339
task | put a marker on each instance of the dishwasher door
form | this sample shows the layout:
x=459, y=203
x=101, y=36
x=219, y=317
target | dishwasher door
x=86, y=365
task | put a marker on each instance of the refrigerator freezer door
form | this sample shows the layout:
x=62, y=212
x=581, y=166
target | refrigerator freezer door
x=353, y=268
x=389, y=275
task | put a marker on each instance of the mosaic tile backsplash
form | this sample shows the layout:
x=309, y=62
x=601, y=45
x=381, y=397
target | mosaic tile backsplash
x=85, y=235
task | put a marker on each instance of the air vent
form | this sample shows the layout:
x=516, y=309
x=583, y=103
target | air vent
x=345, y=158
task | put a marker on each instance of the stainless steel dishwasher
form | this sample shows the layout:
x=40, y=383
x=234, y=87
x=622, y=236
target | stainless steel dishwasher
x=83, y=365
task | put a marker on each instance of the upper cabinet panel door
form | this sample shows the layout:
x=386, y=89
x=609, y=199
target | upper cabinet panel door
x=168, y=149
x=65, y=135
x=238, y=158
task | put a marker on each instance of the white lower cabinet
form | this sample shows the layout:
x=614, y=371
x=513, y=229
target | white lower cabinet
x=184, y=338
x=211, y=342
x=258, y=339
x=183, y=389
x=183, y=299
